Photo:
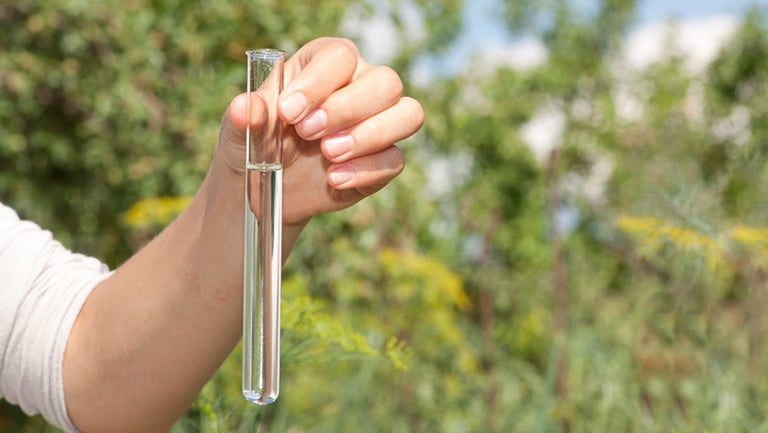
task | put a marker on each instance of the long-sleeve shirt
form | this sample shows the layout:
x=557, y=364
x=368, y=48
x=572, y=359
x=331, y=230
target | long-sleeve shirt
x=43, y=286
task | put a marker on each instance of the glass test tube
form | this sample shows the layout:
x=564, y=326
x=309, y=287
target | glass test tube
x=263, y=228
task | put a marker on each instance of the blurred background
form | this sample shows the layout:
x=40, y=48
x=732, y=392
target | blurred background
x=579, y=242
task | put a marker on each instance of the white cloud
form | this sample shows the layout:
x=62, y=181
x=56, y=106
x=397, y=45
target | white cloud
x=375, y=34
x=544, y=132
x=525, y=54
x=697, y=40
x=378, y=38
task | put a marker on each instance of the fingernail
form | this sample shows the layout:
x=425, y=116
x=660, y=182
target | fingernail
x=313, y=124
x=342, y=175
x=293, y=105
x=338, y=145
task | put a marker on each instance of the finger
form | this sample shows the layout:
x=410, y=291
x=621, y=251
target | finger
x=236, y=118
x=369, y=172
x=320, y=68
x=375, y=90
x=233, y=127
x=375, y=133
x=235, y=121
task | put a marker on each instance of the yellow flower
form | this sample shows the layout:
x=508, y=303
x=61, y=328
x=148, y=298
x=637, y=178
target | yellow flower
x=755, y=243
x=752, y=236
x=152, y=212
x=653, y=234
x=424, y=275
x=637, y=225
x=399, y=353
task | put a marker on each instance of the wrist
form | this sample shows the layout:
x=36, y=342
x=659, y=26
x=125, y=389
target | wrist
x=220, y=208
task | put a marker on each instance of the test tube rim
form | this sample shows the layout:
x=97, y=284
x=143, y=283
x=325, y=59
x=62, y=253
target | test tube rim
x=266, y=53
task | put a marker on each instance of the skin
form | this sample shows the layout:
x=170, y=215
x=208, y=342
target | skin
x=150, y=336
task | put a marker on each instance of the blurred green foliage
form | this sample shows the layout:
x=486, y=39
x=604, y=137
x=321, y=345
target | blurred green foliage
x=107, y=103
x=458, y=303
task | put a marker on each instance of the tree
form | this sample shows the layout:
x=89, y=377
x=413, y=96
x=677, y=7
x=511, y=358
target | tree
x=614, y=281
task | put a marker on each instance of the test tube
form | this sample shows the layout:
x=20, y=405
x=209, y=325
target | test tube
x=263, y=228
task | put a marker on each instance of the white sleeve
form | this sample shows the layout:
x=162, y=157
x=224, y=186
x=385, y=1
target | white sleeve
x=42, y=289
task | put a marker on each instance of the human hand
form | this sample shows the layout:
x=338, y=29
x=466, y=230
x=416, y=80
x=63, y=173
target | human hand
x=344, y=119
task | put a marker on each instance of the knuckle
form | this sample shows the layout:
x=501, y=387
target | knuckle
x=415, y=110
x=349, y=44
x=342, y=49
x=344, y=107
x=375, y=130
x=389, y=80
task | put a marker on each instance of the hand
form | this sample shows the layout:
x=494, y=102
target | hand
x=344, y=118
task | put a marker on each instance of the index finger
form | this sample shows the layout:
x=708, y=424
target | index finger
x=320, y=68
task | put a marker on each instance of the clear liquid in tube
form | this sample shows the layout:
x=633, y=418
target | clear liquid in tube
x=263, y=265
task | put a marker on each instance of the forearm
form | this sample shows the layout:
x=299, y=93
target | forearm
x=149, y=337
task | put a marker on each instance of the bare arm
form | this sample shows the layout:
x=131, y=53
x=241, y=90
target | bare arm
x=149, y=337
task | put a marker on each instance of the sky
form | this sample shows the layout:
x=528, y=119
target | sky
x=706, y=20
x=651, y=10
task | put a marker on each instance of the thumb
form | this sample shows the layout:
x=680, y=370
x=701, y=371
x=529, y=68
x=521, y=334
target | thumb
x=235, y=120
x=234, y=125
